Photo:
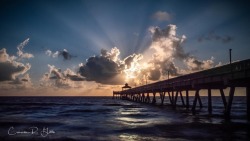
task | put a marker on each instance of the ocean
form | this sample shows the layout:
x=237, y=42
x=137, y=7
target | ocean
x=107, y=119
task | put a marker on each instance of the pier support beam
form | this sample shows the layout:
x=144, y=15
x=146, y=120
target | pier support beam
x=176, y=97
x=143, y=97
x=154, y=99
x=248, y=102
x=197, y=97
x=223, y=98
x=182, y=99
x=170, y=98
x=209, y=101
x=230, y=101
x=139, y=97
x=187, y=99
x=162, y=96
x=173, y=100
x=147, y=98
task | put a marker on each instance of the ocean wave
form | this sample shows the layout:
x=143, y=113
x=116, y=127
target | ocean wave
x=77, y=111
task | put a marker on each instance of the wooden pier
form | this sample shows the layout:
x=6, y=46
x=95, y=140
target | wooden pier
x=230, y=76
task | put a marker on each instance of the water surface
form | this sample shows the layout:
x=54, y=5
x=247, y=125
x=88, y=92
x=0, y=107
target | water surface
x=104, y=118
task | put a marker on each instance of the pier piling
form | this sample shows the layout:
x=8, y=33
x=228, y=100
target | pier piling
x=248, y=102
x=209, y=101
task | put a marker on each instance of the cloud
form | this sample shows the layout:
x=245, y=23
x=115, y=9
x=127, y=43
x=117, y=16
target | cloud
x=112, y=55
x=64, y=53
x=105, y=68
x=132, y=60
x=51, y=54
x=9, y=68
x=20, y=52
x=156, y=63
x=195, y=65
x=23, y=82
x=162, y=16
x=13, y=74
x=109, y=68
x=56, y=78
x=167, y=48
x=213, y=36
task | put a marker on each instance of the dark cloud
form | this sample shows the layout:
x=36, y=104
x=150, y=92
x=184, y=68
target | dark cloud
x=154, y=74
x=13, y=74
x=102, y=70
x=179, y=52
x=212, y=36
x=106, y=68
x=64, y=53
x=169, y=68
x=162, y=68
x=9, y=68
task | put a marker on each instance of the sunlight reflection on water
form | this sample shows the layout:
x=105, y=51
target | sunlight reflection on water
x=136, y=137
x=134, y=117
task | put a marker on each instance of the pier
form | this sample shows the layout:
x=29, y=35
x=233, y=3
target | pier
x=230, y=76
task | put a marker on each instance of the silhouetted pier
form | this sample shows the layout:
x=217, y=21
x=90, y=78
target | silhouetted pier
x=230, y=76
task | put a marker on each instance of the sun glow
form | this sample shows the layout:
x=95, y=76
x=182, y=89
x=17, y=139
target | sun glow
x=133, y=71
x=136, y=72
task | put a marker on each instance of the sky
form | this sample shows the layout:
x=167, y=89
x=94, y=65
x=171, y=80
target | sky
x=92, y=47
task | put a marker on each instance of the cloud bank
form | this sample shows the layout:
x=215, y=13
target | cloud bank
x=156, y=63
x=165, y=48
x=13, y=73
x=56, y=78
